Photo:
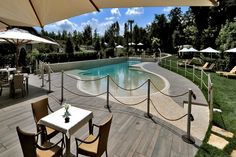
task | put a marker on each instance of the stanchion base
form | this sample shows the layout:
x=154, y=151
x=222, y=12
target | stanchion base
x=62, y=100
x=49, y=92
x=188, y=140
x=148, y=115
x=107, y=106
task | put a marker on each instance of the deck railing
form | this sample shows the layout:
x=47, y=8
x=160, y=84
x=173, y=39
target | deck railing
x=196, y=74
x=47, y=70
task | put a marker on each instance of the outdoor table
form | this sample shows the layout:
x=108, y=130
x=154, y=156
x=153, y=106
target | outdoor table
x=8, y=70
x=79, y=117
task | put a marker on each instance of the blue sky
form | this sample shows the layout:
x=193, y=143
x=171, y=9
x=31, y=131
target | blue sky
x=142, y=16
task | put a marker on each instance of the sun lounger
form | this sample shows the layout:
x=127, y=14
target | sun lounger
x=232, y=71
x=187, y=62
x=204, y=66
x=210, y=68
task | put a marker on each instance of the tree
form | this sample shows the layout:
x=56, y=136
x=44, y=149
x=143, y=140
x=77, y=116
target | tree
x=69, y=47
x=87, y=35
x=130, y=22
x=126, y=35
x=155, y=43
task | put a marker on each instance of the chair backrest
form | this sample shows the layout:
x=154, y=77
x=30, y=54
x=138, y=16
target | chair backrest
x=104, y=133
x=4, y=77
x=27, y=141
x=18, y=81
x=211, y=66
x=233, y=71
x=205, y=65
x=40, y=109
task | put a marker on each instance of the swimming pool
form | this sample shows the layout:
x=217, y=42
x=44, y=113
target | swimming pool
x=123, y=74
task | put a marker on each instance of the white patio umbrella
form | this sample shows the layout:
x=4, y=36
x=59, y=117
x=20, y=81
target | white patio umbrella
x=233, y=50
x=20, y=37
x=119, y=47
x=210, y=50
x=140, y=44
x=43, y=12
x=192, y=50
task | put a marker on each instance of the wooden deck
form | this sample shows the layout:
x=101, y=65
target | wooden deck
x=131, y=135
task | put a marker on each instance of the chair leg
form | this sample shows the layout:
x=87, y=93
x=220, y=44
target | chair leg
x=106, y=154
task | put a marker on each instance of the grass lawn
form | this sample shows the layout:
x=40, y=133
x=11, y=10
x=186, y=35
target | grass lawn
x=224, y=90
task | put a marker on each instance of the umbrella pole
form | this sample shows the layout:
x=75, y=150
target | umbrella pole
x=17, y=56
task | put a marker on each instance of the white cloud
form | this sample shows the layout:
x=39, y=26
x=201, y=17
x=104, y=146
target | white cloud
x=61, y=25
x=115, y=12
x=168, y=9
x=135, y=11
x=110, y=18
x=96, y=24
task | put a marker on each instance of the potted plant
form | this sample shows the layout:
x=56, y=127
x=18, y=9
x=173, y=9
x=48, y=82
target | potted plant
x=67, y=113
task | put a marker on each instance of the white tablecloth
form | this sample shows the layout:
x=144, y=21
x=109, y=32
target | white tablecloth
x=78, y=118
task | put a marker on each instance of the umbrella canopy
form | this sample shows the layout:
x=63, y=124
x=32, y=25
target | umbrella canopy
x=20, y=37
x=131, y=43
x=184, y=50
x=43, y=12
x=192, y=50
x=233, y=50
x=140, y=44
x=119, y=46
x=210, y=50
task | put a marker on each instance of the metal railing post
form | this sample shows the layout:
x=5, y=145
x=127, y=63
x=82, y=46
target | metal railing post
x=201, y=78
x=211, y=102
x=209, y=88
x=148, y=114
x=187, y=138
x=42, y=74
x=177, y=66
x=62, y=85
x=170, y=64
x=108, y=93
x=49, y=80
x=193, y=72
x=185, y=68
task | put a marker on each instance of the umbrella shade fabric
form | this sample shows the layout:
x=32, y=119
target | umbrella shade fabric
x=140, y=44
x=43, y=12
x=131, y=43
x=233, y=50
x=20, y=37
x=119, y=46
x=184, y=50
x=210, y=50
x=192, y=50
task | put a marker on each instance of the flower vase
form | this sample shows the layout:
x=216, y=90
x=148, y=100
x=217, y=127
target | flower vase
x=67, y=119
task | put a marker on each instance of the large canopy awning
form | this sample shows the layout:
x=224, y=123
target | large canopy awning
x=43, y=12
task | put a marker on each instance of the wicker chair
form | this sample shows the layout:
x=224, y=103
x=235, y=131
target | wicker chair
x=18, y=83
x=31, y=148
x=95, y=146
x=40, y=110
x=3, y=81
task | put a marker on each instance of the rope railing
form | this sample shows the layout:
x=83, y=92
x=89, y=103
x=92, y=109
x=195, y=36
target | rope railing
x=83, y=95
x=179, y=95
x=132, y=89
x=76, y=78
x=134, y=104
x=169, y=119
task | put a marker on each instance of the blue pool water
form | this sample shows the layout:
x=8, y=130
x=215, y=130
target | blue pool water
x=124, y=75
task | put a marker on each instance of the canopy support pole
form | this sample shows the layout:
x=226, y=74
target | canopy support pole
x=31, y=4
x=94, y=5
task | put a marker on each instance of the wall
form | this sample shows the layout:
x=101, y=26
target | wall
x=56, y=67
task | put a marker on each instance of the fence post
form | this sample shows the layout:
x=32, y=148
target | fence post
x=187, y=138
x=211, y=102
x=62, y=85
x=165, y=62
x=148, y=115
x=193, y=72
x=209, y=88
x=201, y=78
x=170, y=64
x=42, y=73
x=177, y=66
x=108, y=91
x=49, y=79
x=185, y=68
